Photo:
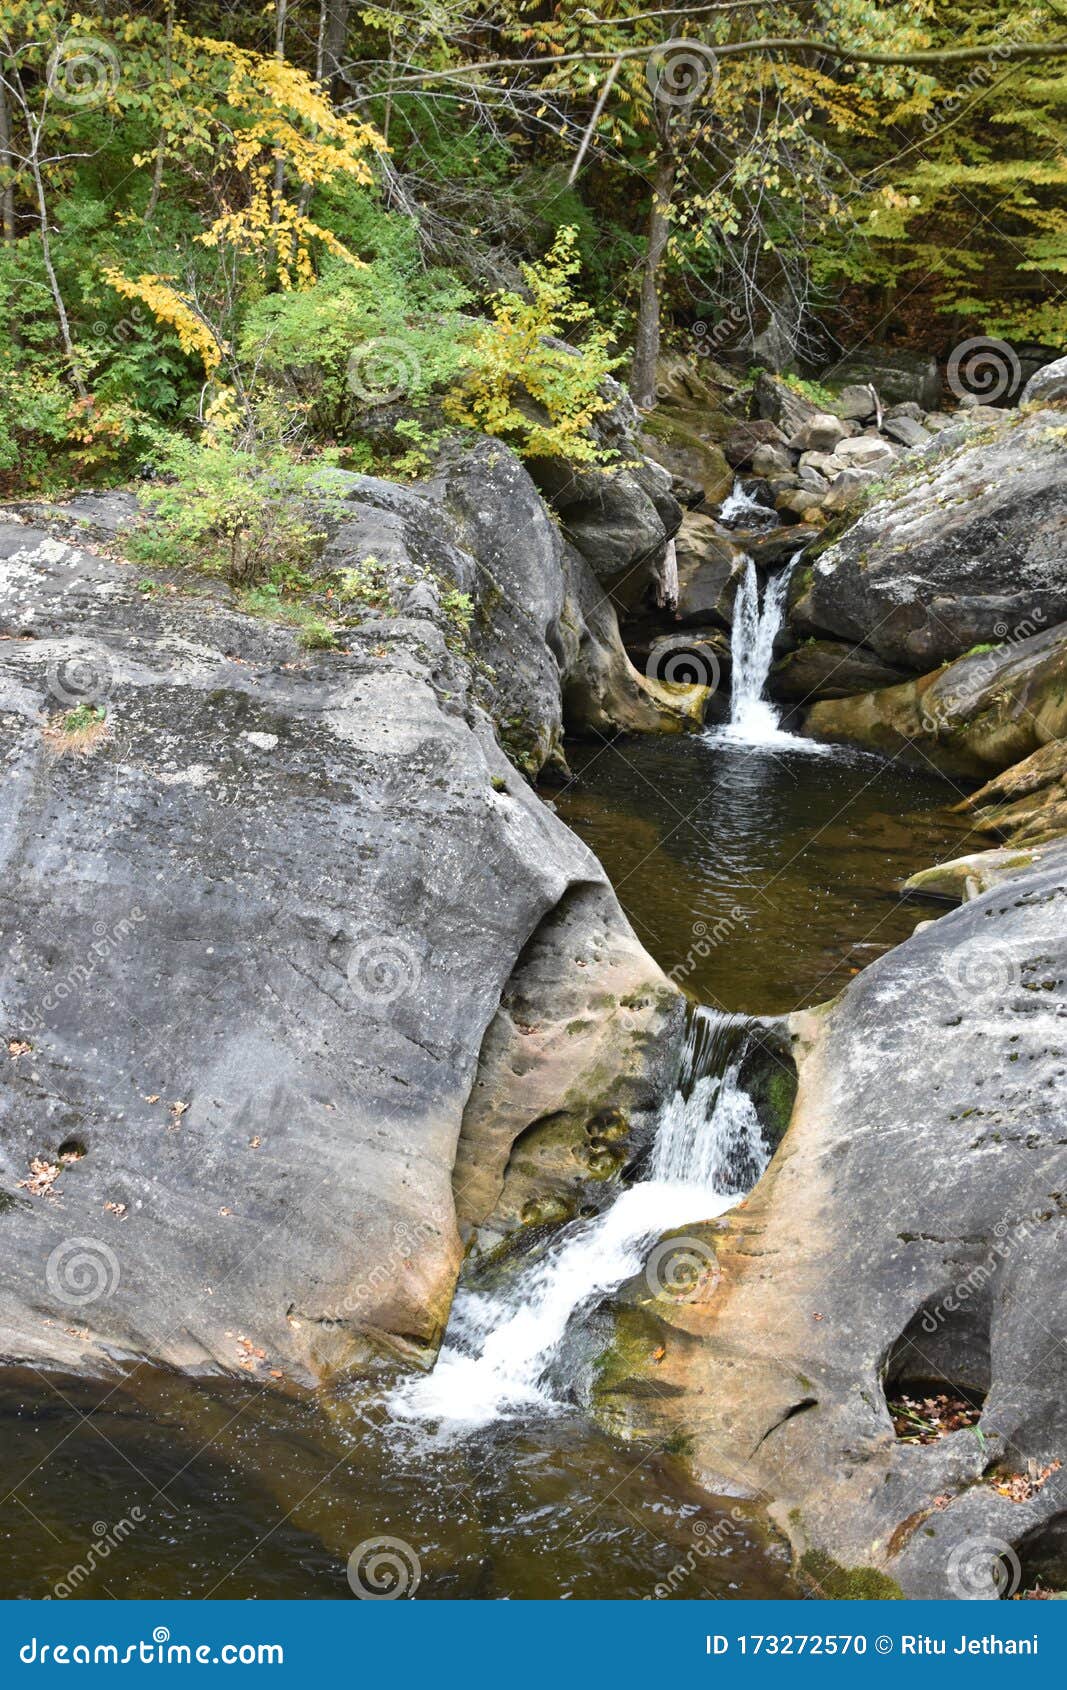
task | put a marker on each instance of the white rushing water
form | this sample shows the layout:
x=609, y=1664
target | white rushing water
x=740, y=510
x=754, y=720
x=498, y=1349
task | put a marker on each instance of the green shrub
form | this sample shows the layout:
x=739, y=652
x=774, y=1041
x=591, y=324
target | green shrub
x=248, y=516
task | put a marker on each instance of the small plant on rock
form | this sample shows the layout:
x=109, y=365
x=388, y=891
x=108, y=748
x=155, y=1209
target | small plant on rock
x=244, y=515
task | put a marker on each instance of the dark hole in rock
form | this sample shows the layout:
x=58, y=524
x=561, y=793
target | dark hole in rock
x=937, y=1374
x=72, y=1150
x=1042, y=1557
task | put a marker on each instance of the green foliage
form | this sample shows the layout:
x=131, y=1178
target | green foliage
x=247, y=516
x=523, y=386
x=359, y=339
x=83, y=718
x=459, y=608
x=813, y=390
x=368, y=581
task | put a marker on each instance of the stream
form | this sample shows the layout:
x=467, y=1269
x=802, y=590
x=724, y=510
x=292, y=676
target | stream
x=760, y=870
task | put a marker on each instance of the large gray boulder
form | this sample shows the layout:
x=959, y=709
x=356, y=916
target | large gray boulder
x=897, y=375
x=621, y=515
x=907, y=1239
x=964, y=547
x=1047, y=385
x=260, y=918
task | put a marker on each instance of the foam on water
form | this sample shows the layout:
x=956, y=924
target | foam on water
x=500, y=1348
x=754, y=720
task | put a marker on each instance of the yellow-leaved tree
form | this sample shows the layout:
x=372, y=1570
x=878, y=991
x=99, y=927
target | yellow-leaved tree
x=261, y=137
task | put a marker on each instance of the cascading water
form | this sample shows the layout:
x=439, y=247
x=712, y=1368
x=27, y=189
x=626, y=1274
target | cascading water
x=740, y=510
x=499, y=1348
x=753, y=718
x=752, y=652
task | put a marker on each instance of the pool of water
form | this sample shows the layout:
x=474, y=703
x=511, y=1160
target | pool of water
x=763, y=879
x=163, y=1487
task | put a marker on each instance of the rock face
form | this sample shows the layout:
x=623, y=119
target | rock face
x=906, y=1239
x=922, y=575
x=1047, y=385
x=620, y=519
x=1028, y=802
x=829, y=669
x=708, y=572
x=973, y=718
x=261, y=923
x=898, y=376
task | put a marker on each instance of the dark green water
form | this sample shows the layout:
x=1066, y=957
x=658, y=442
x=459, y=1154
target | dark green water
x=219, y=1490
x=764, y=880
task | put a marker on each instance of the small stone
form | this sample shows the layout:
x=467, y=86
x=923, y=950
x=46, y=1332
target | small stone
x=906, y=431
x=856, y=403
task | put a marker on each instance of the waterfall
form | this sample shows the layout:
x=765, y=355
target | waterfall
x=499, y=1347
x=754, y=719
x=740, y=510
x=752, y=652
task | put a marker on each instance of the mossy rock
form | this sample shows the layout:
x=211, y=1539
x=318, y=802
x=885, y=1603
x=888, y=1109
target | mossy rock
x=848, y=1584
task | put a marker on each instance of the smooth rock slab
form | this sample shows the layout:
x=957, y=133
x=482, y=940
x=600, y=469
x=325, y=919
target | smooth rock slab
x=253, y=938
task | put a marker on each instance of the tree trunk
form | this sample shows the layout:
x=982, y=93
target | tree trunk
x=7, y=165
x=282, y=7
x=646, y=338
x=161, y=145
x=333, y=33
